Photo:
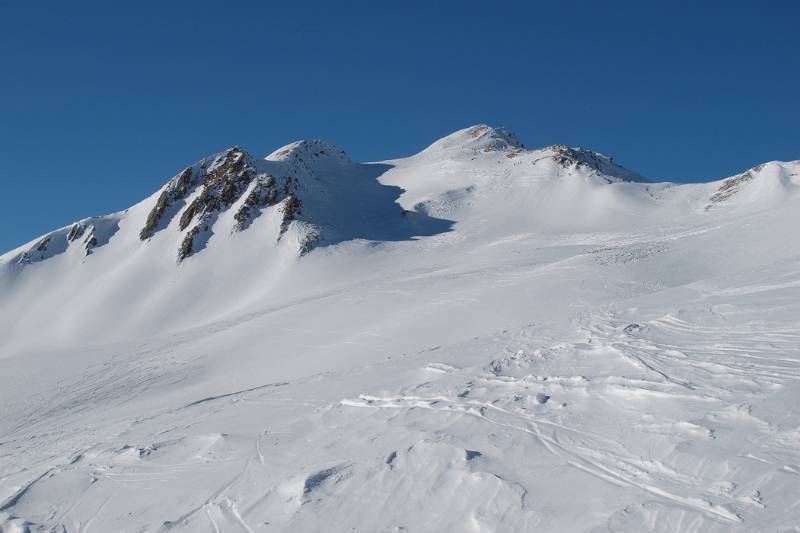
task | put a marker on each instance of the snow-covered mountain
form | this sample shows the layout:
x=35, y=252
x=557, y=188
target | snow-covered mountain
x=479, y=337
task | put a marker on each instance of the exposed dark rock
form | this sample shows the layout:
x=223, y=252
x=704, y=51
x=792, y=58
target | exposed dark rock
x=76, y=232
x=42, y=245
x=183, y=182
x=291, y=207
x=187, y=245
x=263, y=194
x=567, y=157
x=155, y=216
x=176, y=189
x=90, y=241
x=190, y=212
x=223, y=185
x=199, y=194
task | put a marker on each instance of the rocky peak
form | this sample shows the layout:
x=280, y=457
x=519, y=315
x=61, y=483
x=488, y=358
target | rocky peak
x=223, y=182
x=567, y=157
x=201, y=192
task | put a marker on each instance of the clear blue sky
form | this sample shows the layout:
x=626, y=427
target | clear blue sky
x=102, y=103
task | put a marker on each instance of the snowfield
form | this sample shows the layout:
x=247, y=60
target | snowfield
x=480, y=337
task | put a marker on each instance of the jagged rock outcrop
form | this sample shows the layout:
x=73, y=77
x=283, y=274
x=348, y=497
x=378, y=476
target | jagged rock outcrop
x=262, y=194
x=76, y=231
x=235, y=180
x=223, y=179
x=222, y=184
x=79, y=230
x=175, y=190
x=568, y=157
x=187, y=244
x=289, y=209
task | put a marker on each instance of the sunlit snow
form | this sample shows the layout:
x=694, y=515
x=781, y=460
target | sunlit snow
x=481, y=338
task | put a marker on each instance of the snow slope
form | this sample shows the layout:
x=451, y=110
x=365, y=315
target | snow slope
x=479, y=337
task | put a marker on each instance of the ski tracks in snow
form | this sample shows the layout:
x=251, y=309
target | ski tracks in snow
x=684, y=410
x=676, y=421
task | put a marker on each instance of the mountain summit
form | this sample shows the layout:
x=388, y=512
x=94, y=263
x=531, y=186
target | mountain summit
x=477, y=138
x=313, y=192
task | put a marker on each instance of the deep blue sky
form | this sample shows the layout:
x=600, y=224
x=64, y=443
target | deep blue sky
x=100, y=104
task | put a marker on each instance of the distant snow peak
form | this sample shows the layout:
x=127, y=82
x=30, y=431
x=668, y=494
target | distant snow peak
x=309, y=152
x=478, y=138
x=491, y=139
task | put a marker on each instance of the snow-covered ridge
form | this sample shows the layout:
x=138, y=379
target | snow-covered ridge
x=81, y=238
x=766, y=182
x=302, y=177
x=192, y=201
x=483, y=140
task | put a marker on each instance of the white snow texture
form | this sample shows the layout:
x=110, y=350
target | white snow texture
x=479, y=337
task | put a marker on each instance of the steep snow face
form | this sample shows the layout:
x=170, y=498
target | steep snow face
x=528, y=339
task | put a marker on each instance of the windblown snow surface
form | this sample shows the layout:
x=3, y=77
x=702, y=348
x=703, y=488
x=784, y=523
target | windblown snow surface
x=479, y=337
